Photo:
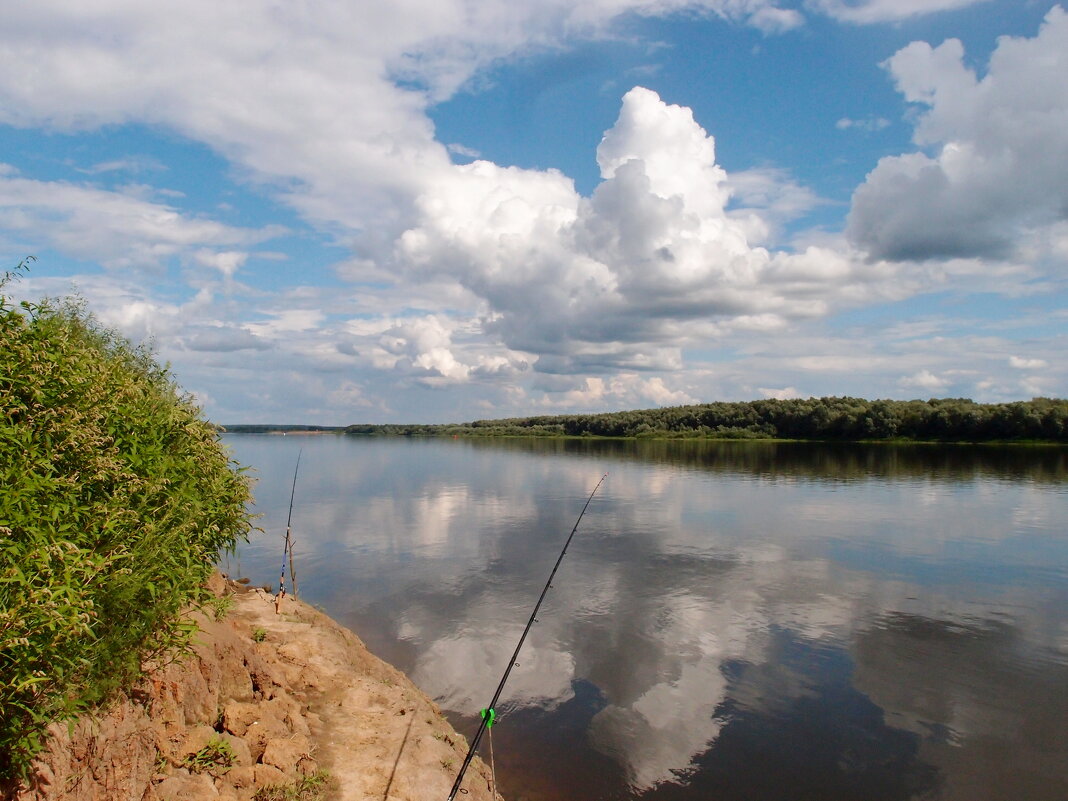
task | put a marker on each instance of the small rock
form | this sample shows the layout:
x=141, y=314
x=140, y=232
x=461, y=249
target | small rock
x=216, y=585
x=267, y=775
x=242, y=753
x=238, y=716
x=195, y=740
x=263, y=731
x=242, y=776
x=285, y=753
x=186, y=787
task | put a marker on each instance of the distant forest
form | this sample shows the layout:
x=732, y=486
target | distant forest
x=840, y=419
x=268, y=428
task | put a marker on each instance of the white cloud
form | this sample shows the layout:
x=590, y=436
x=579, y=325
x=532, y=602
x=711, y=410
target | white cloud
x=461, y=150
x=349, y=395
x=619, y=279
x=111, y=228
x=288, y=321
x=655, y=390
x=764, y=199
x=1000, y=169
x=871, y=11
x=868, y=124
x=133, y=164
x=1027, y=364
x=771, y=19
x=511, y=267
x=425, y=345
x=924, y=379
x=786, y=393
x=224, y=339
x=624, y=390
x=226, y=262
x=338, y=120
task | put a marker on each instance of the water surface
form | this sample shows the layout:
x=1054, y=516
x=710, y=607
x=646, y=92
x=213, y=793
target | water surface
x=733, y=621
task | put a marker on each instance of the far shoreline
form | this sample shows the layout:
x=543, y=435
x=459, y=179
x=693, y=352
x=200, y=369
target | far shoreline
x=665, y=436
x=1039, y=421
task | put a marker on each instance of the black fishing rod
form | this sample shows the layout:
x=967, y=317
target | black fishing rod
x=489, y=714
x=287, y=548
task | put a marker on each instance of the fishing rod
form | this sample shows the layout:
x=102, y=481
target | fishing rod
x=287, y=548
x=489, y=714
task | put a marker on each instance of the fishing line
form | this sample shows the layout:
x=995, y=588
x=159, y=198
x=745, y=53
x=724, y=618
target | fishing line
x=287, y=548
x=489, y=714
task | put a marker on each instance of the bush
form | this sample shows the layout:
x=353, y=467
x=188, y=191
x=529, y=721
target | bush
x=117, y=500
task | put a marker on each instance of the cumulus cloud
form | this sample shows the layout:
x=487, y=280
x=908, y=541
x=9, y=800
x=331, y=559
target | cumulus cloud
x=425, y=345
x=617, y=280
x=515, y=271
x=340, y=132
x=786, y=393
x=999, y=168
x=622, y=390
x=924, y=379
x=434, y=350
x=655, y=390
x=339, y=125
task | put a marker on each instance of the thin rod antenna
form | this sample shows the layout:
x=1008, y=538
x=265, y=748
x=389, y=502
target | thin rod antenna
x=287, y=548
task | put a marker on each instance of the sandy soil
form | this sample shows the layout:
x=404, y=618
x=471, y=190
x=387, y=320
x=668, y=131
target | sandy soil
x=375, y=731
x=288, y=694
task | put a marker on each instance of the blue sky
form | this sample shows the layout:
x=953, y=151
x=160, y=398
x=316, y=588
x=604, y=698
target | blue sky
x=442, y=211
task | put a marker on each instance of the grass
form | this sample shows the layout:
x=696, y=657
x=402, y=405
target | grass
x=307, y=788
x=216, y=756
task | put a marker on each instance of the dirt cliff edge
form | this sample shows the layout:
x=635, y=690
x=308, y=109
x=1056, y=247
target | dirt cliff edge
x=266, y=700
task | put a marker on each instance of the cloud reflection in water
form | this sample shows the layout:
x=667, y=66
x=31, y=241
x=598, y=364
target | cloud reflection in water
x=739, y=622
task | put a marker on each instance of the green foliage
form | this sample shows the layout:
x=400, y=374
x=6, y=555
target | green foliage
x=315, y=787
x=827, y=419
x=259, y=634
x=215, y=757
x=117, y=499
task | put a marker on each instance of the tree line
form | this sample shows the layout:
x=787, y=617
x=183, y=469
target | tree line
x=829, y=419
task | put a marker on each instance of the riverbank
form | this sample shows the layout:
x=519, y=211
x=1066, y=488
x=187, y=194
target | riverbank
x=290, y=701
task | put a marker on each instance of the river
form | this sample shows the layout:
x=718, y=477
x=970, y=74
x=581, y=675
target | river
x=757, y=621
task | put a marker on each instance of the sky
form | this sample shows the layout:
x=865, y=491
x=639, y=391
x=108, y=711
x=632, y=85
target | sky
x=446, y=210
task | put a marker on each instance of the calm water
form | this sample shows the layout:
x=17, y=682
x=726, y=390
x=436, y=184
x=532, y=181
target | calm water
x=733, y=621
